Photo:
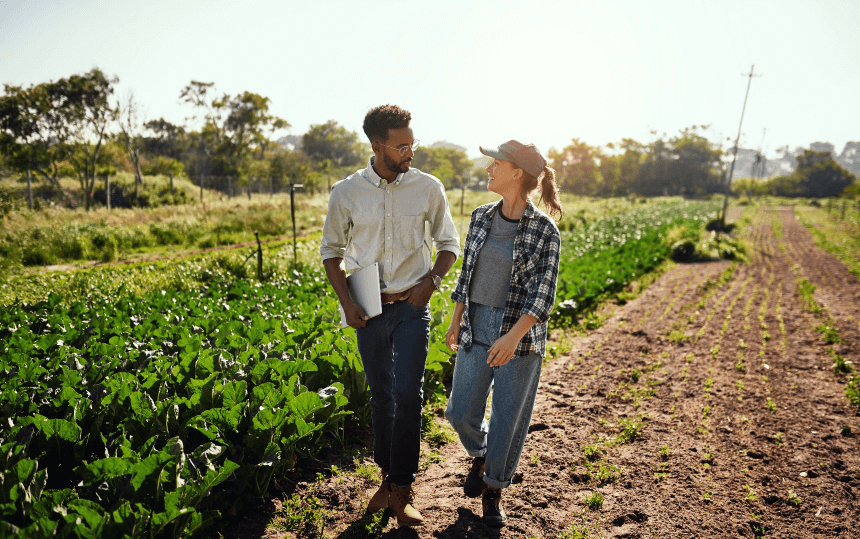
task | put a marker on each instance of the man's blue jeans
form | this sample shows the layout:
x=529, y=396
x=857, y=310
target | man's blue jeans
x=514, y=388
x=393, y=348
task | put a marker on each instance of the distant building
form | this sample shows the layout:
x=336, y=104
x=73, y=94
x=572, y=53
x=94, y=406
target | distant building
x=291, y=142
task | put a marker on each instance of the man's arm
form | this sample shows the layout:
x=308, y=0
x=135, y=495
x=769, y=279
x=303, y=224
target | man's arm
x=420, y=294
x=332, y=248
x=355, y=315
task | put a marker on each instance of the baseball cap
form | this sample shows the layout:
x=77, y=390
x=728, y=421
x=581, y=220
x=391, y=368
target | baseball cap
x=526, y=156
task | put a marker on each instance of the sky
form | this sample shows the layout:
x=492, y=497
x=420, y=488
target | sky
x=473, y=72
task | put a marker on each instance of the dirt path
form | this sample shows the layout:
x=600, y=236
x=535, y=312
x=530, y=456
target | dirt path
x=707, y=407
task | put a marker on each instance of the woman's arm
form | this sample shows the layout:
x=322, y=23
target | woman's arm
x=452, y=336
x=503, y=349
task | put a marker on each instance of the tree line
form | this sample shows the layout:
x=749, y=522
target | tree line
x=77, y=127
x=817, y=175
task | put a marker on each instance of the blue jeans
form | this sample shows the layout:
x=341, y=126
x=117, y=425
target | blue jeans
x=515, y=386
x=393, y=348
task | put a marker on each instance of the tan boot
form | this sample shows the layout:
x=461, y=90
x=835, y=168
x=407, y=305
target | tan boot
x=402, y=502
x=379, y=500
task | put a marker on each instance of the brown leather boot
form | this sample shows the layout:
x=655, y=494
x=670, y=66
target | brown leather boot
x=379, y=500
x=402, y=501
x=491, y=503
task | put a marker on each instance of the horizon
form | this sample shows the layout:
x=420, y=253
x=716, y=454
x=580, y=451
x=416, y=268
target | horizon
x=596, y=71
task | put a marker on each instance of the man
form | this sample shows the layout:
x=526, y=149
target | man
x=378, y=215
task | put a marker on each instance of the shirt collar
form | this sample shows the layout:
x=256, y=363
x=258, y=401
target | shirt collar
x=378, y=181
x=528, y=213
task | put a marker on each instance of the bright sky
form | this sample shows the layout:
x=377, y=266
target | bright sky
x=472, y=72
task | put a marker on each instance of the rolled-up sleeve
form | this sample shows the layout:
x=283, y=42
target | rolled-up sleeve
x=442, y=226
x=541, y=297
x=336, y=227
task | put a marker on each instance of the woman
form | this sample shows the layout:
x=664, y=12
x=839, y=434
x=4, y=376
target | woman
x=504, y=297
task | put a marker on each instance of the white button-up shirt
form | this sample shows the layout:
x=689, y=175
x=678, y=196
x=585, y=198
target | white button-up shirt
x=370, y=220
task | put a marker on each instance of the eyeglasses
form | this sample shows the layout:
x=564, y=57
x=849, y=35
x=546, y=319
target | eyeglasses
x=405, y=148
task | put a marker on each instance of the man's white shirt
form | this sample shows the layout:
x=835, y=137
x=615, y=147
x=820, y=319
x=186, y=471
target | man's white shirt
x=370, y=220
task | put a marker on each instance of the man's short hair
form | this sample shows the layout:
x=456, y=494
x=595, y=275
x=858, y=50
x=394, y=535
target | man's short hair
x=380, y=119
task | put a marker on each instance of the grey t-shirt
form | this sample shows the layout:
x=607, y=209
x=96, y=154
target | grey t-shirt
x=491, y=278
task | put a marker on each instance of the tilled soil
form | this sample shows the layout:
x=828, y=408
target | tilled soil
x=707, y=407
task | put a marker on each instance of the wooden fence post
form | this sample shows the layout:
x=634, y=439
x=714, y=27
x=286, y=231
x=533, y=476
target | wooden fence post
x=171, y=184
x=29, y=189
x=107, y=190
x=229, y=186
x=201, y=187
x=271, y=187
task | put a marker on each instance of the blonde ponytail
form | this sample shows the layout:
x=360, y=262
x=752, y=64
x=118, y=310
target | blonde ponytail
x=549, y=193
x=548, y=190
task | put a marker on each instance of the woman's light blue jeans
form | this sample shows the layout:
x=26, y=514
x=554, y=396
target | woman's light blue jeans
x=514, y=389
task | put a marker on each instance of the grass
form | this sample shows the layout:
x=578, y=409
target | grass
x=591, y=452
x=792, y=498
x=840, y=365
x=833, y=234
x=302, y=514
x=52, y=235
x=594, y=500
x=852, y=390
x=751, y=495
x=771, y=405
x=806, y=289
x=829, y=332
x=435, y=433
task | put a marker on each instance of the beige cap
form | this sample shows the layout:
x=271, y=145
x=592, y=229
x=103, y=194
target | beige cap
x=526, y=156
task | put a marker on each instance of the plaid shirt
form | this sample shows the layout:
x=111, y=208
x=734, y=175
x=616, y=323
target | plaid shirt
x=534, y=275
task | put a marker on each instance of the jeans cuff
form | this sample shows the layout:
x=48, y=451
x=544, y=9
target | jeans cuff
x=479, y=453
x=498, y=484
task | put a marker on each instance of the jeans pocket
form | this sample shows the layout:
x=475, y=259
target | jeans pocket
x=422, y=311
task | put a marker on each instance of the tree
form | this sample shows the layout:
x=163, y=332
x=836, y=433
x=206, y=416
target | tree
x=452, y=167
x=165, y=166
x=167, y=140
x=819, y=175
x=34, y=129
x=576, y=167
x=233, y=128
x=129, y=120
x=687, y=164
x=90, y=115
x=285, y=166
x=333, y=142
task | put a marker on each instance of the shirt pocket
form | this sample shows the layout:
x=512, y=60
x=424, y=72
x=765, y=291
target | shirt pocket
x=524, y=270
x=410, y=232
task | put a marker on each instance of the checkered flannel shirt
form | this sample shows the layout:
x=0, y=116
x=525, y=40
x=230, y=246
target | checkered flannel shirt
x=534, y=275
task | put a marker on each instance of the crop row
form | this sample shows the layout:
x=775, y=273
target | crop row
x=606, y=256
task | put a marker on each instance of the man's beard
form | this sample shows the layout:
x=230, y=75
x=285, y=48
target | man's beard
x=394, y=166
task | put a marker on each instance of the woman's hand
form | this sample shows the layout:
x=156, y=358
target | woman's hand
x=452, y=337
x=502, y=350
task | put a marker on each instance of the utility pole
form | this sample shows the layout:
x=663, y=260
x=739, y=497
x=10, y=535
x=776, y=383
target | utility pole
x=737, y=141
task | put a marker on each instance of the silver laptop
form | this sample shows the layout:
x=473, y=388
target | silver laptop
x=363, y=287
